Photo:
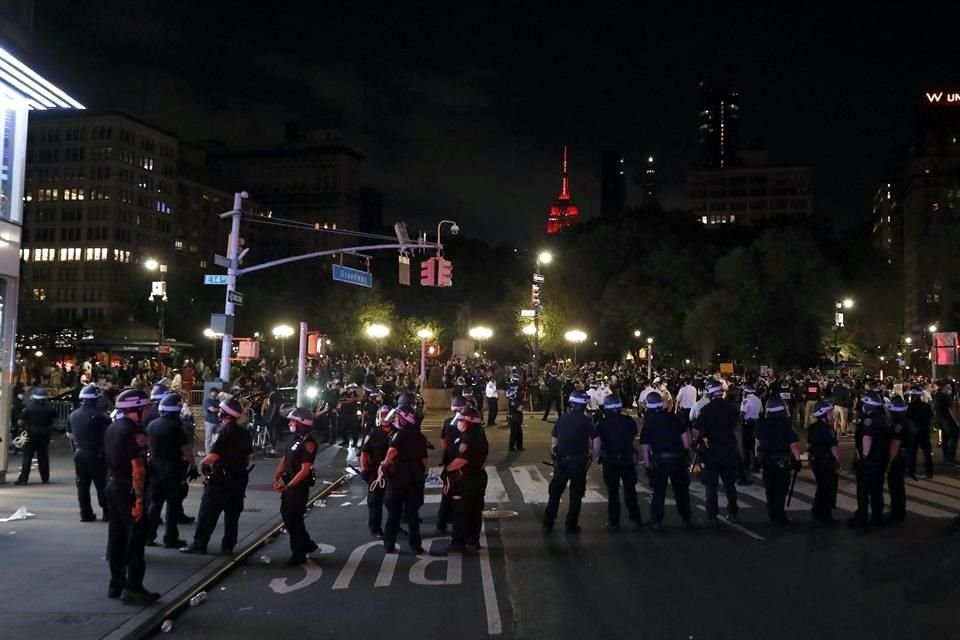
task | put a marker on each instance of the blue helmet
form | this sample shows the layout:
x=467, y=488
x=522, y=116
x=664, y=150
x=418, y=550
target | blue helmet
x=775, y=404
x=897, y=404
x=612, y=403
x=822, y=409
x=872, y=399
x=714, y=387
x=579, y=398
x=171, y=403
x=90, y=392
x=653, y=401
x=159, y=390
x=749, y=389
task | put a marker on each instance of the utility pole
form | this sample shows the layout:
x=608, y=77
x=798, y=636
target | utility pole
x=226, y=350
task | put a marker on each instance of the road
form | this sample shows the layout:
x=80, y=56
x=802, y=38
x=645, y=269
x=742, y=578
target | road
x=754, y=581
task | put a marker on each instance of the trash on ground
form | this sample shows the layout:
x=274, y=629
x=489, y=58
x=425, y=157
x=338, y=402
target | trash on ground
x=19, y=514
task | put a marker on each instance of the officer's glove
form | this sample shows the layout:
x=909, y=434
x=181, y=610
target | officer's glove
x=366, y=476
x=795, y=464
x=192, y=473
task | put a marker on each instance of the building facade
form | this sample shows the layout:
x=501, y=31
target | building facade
x=563, y=213
x=750, y=195
x=718, y=127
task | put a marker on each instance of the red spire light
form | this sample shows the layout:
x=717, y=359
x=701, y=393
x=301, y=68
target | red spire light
x=563, y=213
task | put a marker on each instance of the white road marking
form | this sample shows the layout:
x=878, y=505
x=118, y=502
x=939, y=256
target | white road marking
x=454, y=561
x=496, y=492
x=759, y=493
x=312, y=573
x=494, y=622
x=736, y=526
x=350, y=568
x=532, y=484
x=912, y=505
x=387, y=568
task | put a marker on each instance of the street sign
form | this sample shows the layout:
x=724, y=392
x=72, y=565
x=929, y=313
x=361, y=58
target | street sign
x=221, y=261
x=403, y=267
x=538, y=278
x=215, y=278
x=352, y=276
x=235, y=297
x=528, y=313
x=158, y=288
x=164, y=349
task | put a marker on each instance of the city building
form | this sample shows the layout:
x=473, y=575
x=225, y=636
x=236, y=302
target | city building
x=887, y=225
x=930, y=206
x=21, y=90
x=613, y=183
x=563, y=212
x=719, y=125
x=750, y=195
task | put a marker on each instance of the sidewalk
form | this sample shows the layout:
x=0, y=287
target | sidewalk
x=53, y=580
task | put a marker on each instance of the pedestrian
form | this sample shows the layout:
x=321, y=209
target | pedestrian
x=573, y=440
x=515, y=415
x=327, y=411
x=37, y=418
x=901, y=440
x=823, y=452
x=403, y=470
x=942, y=403
x=211, y=420
x=171, y=456
x=750, y=408
x=716, y=426
x=448, y=437
x=349, y=406
x=125, y=445
x=871, y=461
x=619, y=460
x=779, y=454
x=292, y=480
x=842, y=402
x=466, y=481
x=551, y=395
x=920, y=416
x=86, y=427
x=686, y=398
x=665, y=445
x=225, y=467
x=493, y=398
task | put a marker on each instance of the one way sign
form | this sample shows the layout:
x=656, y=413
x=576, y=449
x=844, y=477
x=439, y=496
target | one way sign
x=235, y=297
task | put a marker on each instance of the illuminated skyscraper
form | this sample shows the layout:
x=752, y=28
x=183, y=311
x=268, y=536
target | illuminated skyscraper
x=719, y=127
x=563, y=213
x=650, y=182
x=613, y=192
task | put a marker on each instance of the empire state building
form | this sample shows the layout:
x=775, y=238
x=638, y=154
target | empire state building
x=563, y=213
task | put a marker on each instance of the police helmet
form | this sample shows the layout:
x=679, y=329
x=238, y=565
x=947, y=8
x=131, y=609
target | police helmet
x=90, y=392
x=915, y=392
x=461, y=382
x=388, y=378
x=822, y=408
x=384, y=415
x=470, y=415
x=171, y=403
x=369, y=389
x=612, y=403
x=749, y=389
x=897, y=404
x=872, y=399
x=39, y=393
x=579, y=398
x=515, y=377
x=467, y=392
x=231, y=407
x=405, y=414
x=406, y=399
x=159, y=390
x=302, y=417
x=714, y=387
x=332, y=384
x=775, y=404
x=132, y=399
x=653, y=401
x=352, y=386
x=457, y=403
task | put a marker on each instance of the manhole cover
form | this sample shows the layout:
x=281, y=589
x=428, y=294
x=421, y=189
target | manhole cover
x=499, y=514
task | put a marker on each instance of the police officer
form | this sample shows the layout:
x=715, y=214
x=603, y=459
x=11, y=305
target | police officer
x=408, y=400
x=515, y=414
x=779, y=453
x=619, y=459
x=403, y=470
x=448, y=437
x=156, y=395
x=716, y=426
x=171, y=455
x=920, y=416
x=750, y=408
x=125, y=445
x=292, y=480
x=327, y=411
x=373, y=451
x=665, y=443
x=901, y=441
x=37, y=417
x=871, y=461
x=369, y=407
x=466, y=480
x=86, y=427
x=573, y=440
x=226, y=468
x=824, y=454
x=349, y=421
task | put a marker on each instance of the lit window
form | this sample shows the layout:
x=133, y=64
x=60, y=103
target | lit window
x=25, y=255
x=178, y=245
x=733, y=218
x=39, y=295
x=203, y=264
x=69, y=254
x=97, y=254
x=703, y=219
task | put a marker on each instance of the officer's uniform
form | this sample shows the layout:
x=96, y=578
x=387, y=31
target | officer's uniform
x=717, y=425
x=514, y=418
x=125, y=441
x=750, y=411
x=901, y=431
x=574, y=432
x=328, y=421
x=663, y=433
x=38, y=417
x=224, y=488
x=375, y=445
x=920, y=416
x=821, y=439
x=88, y=426
x=293, y=500
x=404, y=492
x=468, y=484
x=619, y=459
x=449, y=435
x=349, y=422
x=870, y=468
x=168, y=472
x=775, y=436
x=368, y=412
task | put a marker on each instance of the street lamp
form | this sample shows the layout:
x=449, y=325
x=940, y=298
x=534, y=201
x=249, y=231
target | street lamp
x=480, y=334
x=424, y=335
x=214, y=336
x=377, y=332
x=575, y=336
x=650, y=358
x=158, y=296
x=636, y=333
x=544, y=257
x=529, y=330
x=839, y=306
x=282, y=332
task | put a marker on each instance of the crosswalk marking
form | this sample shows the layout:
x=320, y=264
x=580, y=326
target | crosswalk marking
x=532, y=484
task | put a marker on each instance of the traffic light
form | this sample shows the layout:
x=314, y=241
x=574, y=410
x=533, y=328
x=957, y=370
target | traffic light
x=428, y=273
x=535, y=296
x=444, y=273
x=433, y=350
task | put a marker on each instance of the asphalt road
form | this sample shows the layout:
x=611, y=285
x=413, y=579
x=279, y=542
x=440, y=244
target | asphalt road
x=754, y=581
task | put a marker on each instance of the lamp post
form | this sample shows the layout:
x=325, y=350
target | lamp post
x=839, y=306
x=933, y=351
x=480, y=334
x=650, y=358
x=544, y=257
x=158, y=296
x=282, y=332
x=213, y=335
x=424, y=335
x=575, y=337
x=377, y=332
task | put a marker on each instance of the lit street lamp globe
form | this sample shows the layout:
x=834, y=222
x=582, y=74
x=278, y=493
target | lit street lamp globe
x=208, y=333
x=480, y=333
x=545, y=257
x=378, y=331
x=282, y=331
x=425, y=334
x=529, y=330
x=151, y=264
x=932, y=328
x=575, y=335
x=636, y=333
x=848, y=303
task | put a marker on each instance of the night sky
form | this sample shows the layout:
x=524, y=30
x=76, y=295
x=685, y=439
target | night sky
x=462, y=112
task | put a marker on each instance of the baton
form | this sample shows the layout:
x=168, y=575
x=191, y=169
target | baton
x=546, y=462
x=793, y=483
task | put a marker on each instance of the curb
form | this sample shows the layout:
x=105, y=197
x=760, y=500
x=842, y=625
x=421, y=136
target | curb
x=148, y=621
